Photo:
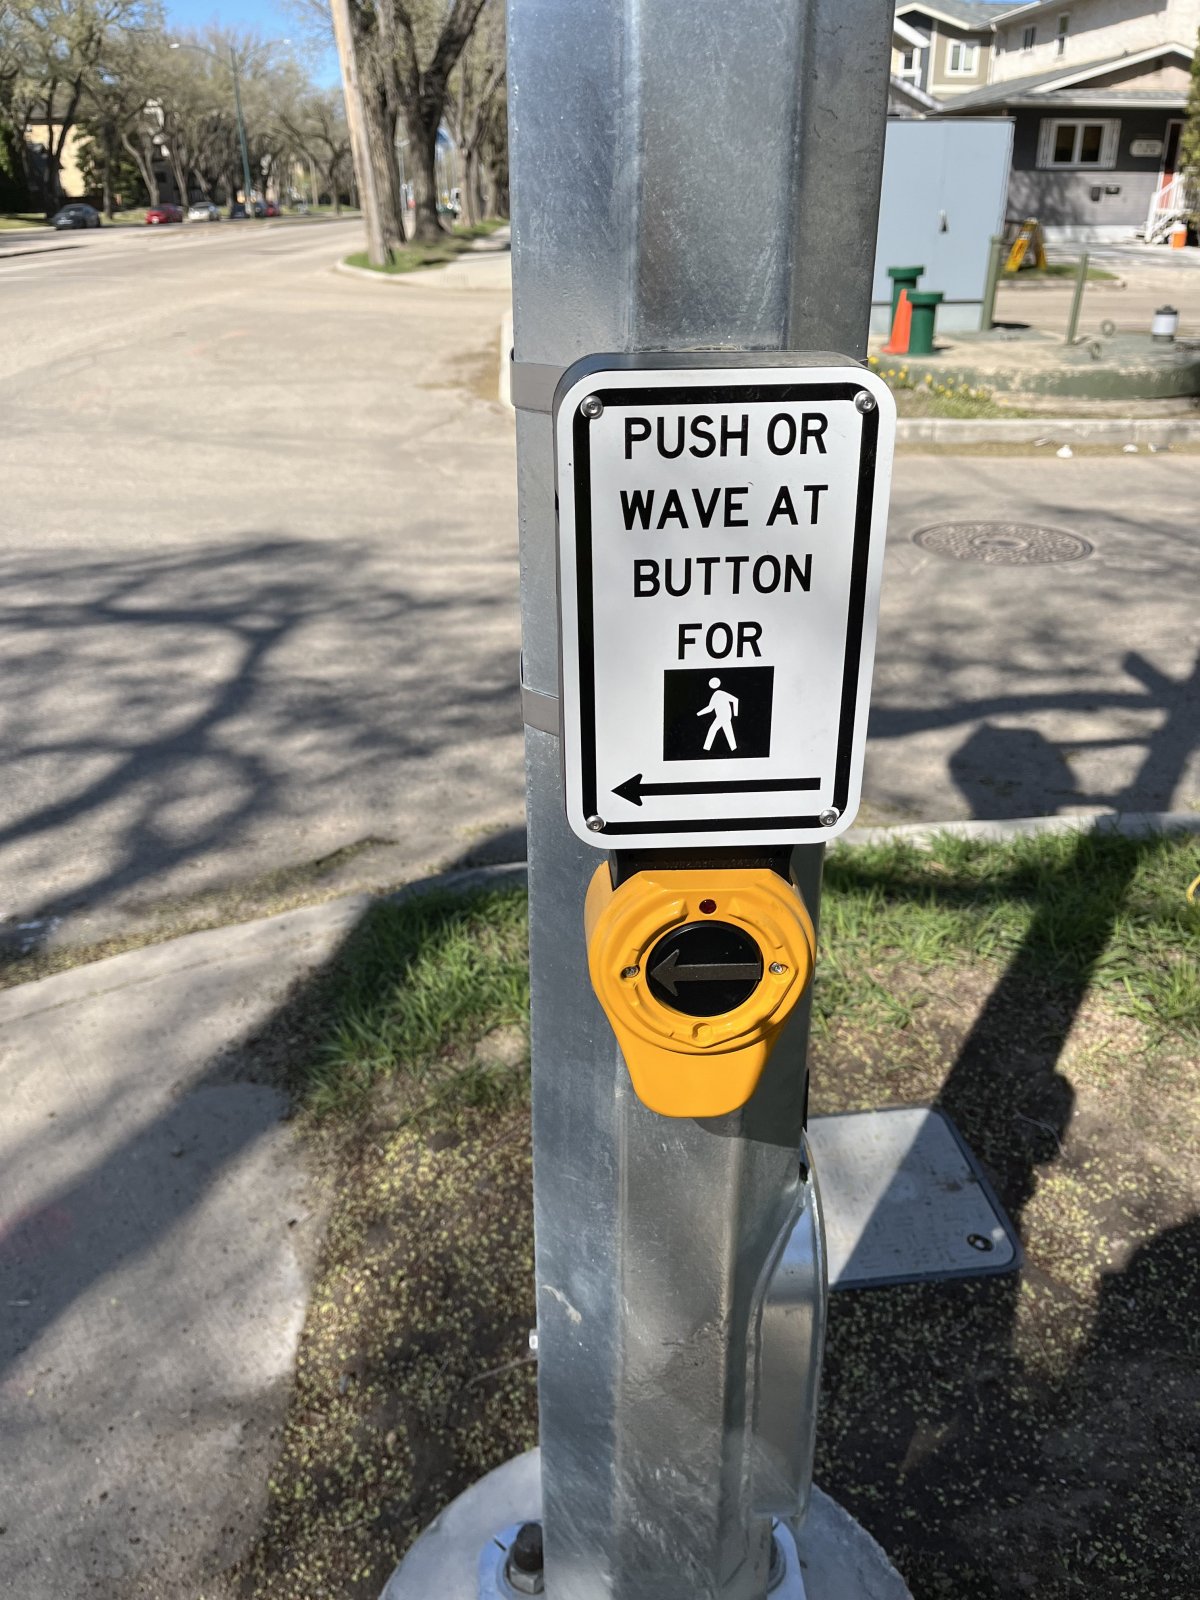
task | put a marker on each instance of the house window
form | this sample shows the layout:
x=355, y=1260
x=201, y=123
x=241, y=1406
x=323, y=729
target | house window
x=962, y=59
x=908, y=62
x=1064, y=27
x=1078, y=144
x=1029, y=38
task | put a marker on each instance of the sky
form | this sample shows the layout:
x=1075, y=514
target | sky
x=272, y=19
x=267, y=17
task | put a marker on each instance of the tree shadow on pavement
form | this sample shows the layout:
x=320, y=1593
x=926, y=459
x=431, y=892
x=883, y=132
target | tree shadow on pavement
x=172, y=720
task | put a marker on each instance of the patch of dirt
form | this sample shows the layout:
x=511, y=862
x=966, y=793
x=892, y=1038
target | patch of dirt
x=414, y=1376
x=1035, y=1434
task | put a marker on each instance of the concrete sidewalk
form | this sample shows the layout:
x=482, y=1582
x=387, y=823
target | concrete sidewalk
x=158, y=1223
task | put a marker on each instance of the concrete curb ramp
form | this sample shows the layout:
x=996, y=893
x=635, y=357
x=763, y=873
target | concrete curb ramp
x=1028, y=430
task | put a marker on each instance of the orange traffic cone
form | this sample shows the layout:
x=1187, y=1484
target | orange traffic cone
x=897, y=345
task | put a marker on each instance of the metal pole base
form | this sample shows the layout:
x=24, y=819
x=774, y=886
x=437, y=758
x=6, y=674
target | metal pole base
x=461, y=1555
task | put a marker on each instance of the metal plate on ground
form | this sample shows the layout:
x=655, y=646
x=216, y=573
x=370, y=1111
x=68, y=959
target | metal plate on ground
x=1003, y=544
x=904, y=1200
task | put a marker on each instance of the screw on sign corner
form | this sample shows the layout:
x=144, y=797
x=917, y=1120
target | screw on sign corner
x=592, y=407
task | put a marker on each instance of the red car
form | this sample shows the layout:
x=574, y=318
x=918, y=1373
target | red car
x=161, y=214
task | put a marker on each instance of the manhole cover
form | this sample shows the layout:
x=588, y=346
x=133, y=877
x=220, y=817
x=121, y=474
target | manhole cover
x=1002, y=544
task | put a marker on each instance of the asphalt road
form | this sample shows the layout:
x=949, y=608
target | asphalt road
x=259, y=586
x=258, y=565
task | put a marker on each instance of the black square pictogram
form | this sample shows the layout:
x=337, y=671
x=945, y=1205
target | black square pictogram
x=717, y=713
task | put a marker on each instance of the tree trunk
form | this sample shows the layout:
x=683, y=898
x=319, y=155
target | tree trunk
x=422, y=146
x=51, y=188
x=107, y=176
x=179, y=170
x=470, y=184
x=145, y=166
x=381, y=145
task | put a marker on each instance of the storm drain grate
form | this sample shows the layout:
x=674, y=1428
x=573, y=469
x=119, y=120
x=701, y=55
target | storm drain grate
x=1002, y=544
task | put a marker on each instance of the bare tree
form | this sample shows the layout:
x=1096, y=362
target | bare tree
x=316, y=121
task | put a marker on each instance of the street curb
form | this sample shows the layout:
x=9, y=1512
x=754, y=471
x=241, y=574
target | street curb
x=377, y=277
x=419, y=272
x=1048, y=430
x=956, y=430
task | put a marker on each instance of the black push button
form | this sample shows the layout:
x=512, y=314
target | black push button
x=704, y=968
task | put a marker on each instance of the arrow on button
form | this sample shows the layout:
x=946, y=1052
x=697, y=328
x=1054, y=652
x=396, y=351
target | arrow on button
x=669, y=973
x=634, y=788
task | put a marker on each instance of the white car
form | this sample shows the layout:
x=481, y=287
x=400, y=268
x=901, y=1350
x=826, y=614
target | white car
x=203, y=211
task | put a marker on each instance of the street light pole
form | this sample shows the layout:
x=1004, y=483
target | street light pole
x=202, y=49
x=237, y=100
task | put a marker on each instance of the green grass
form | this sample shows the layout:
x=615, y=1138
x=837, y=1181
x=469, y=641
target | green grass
x=937, y=395
x=416, y=256
x=22, y=219
x=422, y=981
x=418, y=985
x=480, y=230
x=1057, y=270
x=18, y=221
x=1093, y=910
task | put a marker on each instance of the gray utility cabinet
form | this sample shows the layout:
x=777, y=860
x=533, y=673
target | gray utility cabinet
x=945, y=183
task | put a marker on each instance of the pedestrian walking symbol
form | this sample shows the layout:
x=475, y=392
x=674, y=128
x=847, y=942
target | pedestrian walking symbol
x=722, y=708
x=723, y=715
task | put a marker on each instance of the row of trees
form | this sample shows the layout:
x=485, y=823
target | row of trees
x=147, y=101
x=419, y=64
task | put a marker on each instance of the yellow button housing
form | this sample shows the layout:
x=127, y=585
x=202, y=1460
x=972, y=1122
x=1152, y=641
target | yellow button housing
x=685, y=1065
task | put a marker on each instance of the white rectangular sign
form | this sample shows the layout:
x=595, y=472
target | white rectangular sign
x=721, y=535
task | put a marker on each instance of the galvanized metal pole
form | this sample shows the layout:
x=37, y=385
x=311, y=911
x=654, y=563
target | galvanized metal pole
x=241, y=127
x=686, y=175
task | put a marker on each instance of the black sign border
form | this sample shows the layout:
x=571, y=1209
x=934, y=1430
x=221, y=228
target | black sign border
x=749, y=393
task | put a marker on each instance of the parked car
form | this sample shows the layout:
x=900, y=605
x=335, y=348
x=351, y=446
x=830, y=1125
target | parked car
x=76, y=215
x=237, y=211
x=160, y=214
x=204, y=211
x=271, y=209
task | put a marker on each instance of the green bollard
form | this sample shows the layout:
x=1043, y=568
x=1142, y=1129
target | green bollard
x=924, y=304
x=902, y=278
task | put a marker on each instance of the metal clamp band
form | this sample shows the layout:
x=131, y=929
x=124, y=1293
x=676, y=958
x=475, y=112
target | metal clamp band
x=541, y=711
x=532, y=386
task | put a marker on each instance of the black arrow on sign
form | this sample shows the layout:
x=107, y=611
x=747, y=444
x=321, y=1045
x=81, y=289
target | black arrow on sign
x=669, y=973
x=633, y=788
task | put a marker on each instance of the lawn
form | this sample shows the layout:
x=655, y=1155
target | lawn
x=1033, y=1434
x=1055, y=272
x=944, y=395
x=416, y=256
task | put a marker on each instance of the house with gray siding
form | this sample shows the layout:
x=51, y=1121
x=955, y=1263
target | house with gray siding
x=1096, y=90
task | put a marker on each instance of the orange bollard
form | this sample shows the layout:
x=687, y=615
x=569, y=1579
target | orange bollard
x=897, y=344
